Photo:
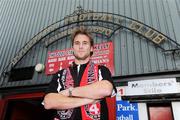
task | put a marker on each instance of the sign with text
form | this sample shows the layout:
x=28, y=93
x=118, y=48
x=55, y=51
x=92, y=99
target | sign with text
x=153, y=86
x=126, y=110
x=103, y=53
x=120, y=92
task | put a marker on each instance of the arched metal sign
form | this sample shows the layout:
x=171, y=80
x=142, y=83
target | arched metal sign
x=98, y=22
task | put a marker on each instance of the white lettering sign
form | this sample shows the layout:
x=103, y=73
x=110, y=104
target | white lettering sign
x=154, y=86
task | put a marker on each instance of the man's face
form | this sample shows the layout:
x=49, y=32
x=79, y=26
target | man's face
x=82, y=47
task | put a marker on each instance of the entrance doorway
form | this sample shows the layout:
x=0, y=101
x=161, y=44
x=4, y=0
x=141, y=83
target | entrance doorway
x=160, y=111
x=26, y=107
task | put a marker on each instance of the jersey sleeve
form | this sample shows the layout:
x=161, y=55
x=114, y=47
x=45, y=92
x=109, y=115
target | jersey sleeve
x=55, y=83
x=105, y=74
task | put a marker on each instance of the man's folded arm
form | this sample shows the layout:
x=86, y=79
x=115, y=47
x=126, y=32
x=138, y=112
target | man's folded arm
x=59, y=101
x=97, y=90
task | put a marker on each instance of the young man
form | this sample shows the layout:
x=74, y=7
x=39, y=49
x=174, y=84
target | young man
x=78, y=92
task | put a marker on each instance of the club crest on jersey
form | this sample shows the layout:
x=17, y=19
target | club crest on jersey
x=93, y=111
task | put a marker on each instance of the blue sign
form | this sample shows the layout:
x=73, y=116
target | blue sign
x=126, y=110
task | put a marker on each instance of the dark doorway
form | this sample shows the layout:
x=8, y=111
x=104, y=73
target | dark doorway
x=160, y=111
x=27, y=109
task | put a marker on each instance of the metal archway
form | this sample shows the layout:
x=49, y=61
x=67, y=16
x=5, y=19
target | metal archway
x=98, y=22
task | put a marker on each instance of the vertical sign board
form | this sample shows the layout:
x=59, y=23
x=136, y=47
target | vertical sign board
x=103, y=53
x=124, y=109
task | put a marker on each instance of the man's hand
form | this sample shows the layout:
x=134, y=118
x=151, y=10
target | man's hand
x=65, y=92
x=96, y=90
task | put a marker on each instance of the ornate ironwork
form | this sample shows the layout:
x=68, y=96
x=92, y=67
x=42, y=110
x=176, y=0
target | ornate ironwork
x=105, y=20
x=79, y=11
